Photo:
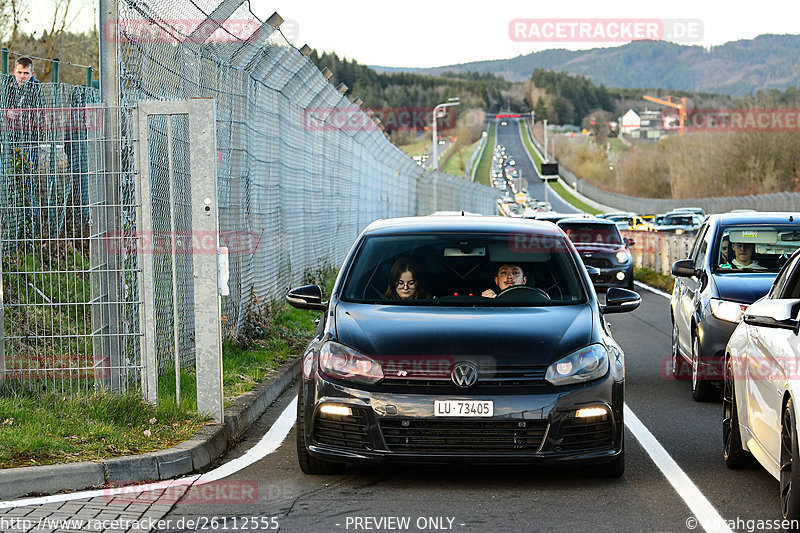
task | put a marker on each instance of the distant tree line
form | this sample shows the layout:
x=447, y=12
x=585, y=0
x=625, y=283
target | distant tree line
x=407, y=90
x=565, y=99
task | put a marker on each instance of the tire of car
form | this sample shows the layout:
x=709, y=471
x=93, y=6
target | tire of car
x=702, y=389
x=680, y=369
x=615, y=468
x=790, y=474
x=308, y=463
x=732, y=450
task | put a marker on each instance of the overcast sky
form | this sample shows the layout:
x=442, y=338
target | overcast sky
x=427, y=33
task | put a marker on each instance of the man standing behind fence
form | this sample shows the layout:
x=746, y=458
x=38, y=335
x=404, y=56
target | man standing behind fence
x=23, y=129
x=25, y=113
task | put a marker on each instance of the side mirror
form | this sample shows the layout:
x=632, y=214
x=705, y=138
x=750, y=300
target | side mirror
x=592, y=271
x=629, y=241
x=683, y=268
x=307, y=297
x=620, y=301
x=778, y=314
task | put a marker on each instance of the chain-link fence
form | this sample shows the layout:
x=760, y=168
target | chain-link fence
x=63, y=330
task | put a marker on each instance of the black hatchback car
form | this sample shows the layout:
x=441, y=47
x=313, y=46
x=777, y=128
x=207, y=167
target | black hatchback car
x=732, y=263
x=601, y=245
x=413, y=362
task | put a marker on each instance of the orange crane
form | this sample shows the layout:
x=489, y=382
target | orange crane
x=681, y=107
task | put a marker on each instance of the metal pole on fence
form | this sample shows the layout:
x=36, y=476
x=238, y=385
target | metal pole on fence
x=56, y=104
x=88, y=76
x=106, y=225
x=4, y=65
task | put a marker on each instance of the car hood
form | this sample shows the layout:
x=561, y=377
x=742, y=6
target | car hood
x=509, y=335
x=743, y=287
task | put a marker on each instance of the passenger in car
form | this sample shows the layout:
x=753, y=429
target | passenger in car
x=508, y=275
x=744, y=255
x=725, y=250
x=405, y=281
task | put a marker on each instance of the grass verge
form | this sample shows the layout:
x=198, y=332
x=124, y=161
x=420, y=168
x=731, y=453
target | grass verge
x=654, y=279
x=485, y=164
x=568, y=197
x=47, y=428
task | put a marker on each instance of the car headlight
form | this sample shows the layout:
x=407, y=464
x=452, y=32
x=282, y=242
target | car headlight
x=579, y=366
x=340, y=362
x=622, y=257
x=728, y=311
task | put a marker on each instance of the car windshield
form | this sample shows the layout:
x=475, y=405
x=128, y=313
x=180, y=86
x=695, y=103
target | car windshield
x=451, y=269
x=756, y=248
x=586, y=233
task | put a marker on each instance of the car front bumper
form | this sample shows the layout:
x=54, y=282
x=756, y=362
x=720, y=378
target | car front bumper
x=531, y=427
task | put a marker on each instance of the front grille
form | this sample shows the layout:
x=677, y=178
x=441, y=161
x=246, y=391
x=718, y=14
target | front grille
x=501, y=377
x=463, y=435
x=342, y=431
x=599, y=262
x=585, y=434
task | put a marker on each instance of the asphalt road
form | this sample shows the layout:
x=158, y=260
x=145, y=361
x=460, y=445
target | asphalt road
x=509, y=136
x=479, y=499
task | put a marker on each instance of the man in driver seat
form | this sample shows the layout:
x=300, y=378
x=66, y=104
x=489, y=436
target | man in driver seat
x=508, y=275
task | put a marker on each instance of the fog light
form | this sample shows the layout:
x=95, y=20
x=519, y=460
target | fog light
x=620, y=275
x=330, y=409
x=588, y=412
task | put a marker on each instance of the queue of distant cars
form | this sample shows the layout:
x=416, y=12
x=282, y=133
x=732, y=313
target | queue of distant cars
x=505, y=177
x=682, y=220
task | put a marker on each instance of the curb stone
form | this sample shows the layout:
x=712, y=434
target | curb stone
x=196, y=453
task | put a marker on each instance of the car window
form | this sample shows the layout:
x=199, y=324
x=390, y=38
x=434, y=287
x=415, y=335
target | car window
x=700, y=259
x=759, y=248
x=588, y=233
x=455, y=269
x=698, y=239
x=787, y=284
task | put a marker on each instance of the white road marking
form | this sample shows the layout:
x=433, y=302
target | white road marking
x=701, y=508
x=110, y=493
x=268, y=444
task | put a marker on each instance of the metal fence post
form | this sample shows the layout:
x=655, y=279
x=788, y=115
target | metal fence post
x=146, y=284
x=205, y=213
x=106, y=284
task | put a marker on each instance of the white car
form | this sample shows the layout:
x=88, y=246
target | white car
x=761, y=394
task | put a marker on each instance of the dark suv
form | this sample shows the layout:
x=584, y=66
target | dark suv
x=732, y=263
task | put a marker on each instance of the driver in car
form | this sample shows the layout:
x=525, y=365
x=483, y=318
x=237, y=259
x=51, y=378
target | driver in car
x=508, y=275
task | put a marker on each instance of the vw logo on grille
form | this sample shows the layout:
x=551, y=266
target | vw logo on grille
x=464, y=375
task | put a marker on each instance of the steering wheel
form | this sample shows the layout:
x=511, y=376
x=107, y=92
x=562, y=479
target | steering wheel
x=513, y=288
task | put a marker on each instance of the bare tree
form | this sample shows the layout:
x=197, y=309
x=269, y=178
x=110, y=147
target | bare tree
x=597, y=122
